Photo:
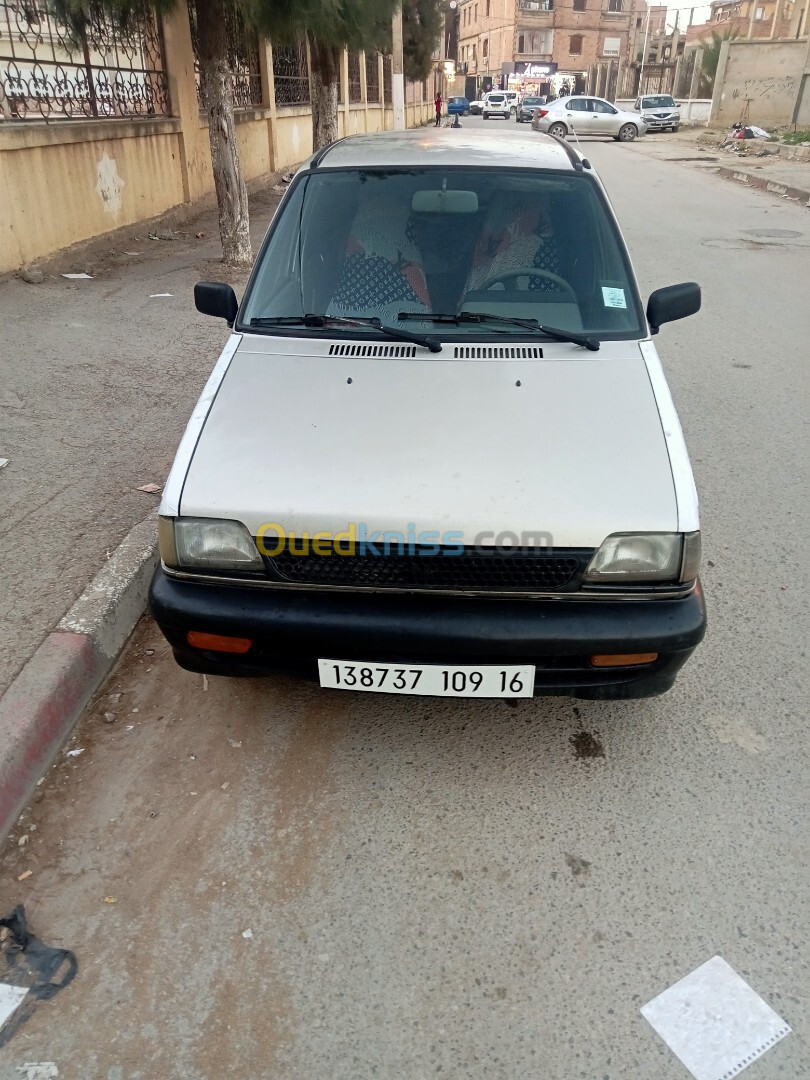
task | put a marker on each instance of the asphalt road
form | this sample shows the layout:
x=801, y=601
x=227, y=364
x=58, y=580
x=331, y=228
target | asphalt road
x=306, y=884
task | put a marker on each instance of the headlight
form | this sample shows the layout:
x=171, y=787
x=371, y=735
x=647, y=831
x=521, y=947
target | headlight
x=207, y=544
x=641, y=557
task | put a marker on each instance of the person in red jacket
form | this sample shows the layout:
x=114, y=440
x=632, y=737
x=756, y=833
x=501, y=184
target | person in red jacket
x=438, y=104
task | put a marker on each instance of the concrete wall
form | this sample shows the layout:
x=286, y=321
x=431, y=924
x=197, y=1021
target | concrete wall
x=69, y=181
x=767, y=75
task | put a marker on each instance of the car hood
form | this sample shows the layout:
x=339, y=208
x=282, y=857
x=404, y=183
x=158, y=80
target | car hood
x=569, y=445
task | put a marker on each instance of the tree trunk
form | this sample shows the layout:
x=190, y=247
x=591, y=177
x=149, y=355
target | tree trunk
x=216, y=88
x=324, y=83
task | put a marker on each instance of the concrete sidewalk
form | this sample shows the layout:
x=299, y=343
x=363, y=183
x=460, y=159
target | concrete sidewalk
x=772, y=172
x=97, y=380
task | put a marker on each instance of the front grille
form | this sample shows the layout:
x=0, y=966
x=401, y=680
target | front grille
x=518, y=570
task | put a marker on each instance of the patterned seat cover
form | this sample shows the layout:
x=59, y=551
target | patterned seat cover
x=515, y=238
x=382, y=270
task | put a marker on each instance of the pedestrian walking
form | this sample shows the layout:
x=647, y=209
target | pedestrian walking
x=438, y=104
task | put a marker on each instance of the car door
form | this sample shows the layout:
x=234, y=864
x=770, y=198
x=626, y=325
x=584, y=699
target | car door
x=576, y=115
x=604, y=117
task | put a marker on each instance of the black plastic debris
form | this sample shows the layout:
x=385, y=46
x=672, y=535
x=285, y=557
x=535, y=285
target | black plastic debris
x=26, y=961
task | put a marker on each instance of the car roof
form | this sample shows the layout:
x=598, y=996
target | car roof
x=444, y=146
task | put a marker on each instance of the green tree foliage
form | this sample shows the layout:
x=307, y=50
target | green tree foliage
x=422, y=34
x=711, y=58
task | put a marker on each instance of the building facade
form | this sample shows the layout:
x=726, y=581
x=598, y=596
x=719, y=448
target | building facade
x=747, y=19
x=544, y=45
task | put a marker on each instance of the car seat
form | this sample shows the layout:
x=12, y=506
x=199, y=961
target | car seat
x=382, y=267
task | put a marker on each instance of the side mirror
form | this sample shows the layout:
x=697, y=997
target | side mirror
x=217, y=299
x=673, y=302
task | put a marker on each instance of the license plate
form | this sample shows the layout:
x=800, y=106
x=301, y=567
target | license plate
x=430, y=680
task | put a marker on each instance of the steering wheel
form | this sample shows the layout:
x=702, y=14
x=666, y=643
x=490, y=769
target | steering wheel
x=535, y=271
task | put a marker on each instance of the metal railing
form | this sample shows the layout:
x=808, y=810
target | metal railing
x=355, y=85
x=372, y=77
x=50, y=72
x=291, y=74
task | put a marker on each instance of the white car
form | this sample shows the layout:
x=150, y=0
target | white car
x=437, y=454
x=659, y=112
x=587, y=116
x=497, y=103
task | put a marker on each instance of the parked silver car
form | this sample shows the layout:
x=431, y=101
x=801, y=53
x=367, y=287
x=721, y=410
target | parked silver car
x=659, y=112
x=438, y=454
x=587, y=116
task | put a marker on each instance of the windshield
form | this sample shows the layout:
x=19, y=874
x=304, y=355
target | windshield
x=532, y=101
x=662, y=101
x=413, y=243
x=495, y=99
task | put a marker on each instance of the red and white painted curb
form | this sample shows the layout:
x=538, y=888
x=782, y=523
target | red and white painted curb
x=42, y=706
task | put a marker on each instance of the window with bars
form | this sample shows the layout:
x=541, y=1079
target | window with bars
x=355, y=85
x=243, y=56
x=615, y=5
x=373, y=77
x=291, y=74
x=388, y=70
x=575, y=44
x=47, y=72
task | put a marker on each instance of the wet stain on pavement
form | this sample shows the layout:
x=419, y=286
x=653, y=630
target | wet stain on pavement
x=580, y=868
x=586, y=745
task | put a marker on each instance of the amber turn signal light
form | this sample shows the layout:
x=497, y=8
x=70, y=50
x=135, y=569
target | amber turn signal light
x=623, y=659
x=218, y=642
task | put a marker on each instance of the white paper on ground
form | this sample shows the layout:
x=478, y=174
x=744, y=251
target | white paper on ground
x=714, y=1022
x=78, y=277
x=10, y=999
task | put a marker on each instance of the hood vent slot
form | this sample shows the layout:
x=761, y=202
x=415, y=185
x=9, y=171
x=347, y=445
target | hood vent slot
x=497, y=352
x=390, y=352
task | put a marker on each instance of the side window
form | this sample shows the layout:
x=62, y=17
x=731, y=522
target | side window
x=637, y=105
x=577, y=105
x=602, y=107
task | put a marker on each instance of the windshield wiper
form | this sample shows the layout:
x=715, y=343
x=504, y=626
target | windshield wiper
x=586, y=340
x=318, y=322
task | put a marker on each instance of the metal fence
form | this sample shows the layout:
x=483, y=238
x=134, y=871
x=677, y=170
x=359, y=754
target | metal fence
x=373, y=77
x=291, y=74
x=388, y=74
x=243, y=56
x=355, y=85
x=48, y=72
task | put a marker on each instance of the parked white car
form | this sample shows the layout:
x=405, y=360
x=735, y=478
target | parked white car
x=587, y=116
x=496, y=103
x=437, y=454
x=659, y=112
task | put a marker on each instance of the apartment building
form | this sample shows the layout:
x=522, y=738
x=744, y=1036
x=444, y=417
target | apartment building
x=544, y=44
x=746, y=19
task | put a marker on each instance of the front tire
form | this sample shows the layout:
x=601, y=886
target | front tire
x=558, y=130
x=485, y=115
x=627, y=132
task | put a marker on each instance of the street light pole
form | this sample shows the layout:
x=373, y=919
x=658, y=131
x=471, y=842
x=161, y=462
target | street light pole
x=398, y=73
x=644, y=54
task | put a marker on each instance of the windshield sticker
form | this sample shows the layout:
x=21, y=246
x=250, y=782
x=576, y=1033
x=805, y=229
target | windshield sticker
x=613, y=297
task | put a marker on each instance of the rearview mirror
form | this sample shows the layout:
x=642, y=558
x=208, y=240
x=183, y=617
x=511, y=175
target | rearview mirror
x=217, y=299
x=673, y=302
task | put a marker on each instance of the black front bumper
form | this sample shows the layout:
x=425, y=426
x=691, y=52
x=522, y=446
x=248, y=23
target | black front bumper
x=292, y=628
